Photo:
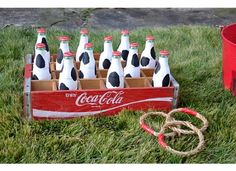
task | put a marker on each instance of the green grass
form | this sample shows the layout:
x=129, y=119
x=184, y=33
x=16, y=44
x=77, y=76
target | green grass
x=195, y=61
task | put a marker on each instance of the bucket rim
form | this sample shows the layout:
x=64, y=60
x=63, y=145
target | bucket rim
x=222, y=31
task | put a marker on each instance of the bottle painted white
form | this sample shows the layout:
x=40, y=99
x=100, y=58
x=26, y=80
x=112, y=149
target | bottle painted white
x=124, y=45
x=82, y=42
x=64, y=47
x=106, y=55
x=68, y=76
x=41, y=63
x=161, y=75
x=115, y=74
x=148, y=56
x=41, y=38
x=132, y=68
x=88, y=65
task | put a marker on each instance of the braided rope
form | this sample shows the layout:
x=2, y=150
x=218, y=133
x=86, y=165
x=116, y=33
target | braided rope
x=170, y=118
x=175, y=126
x=148, y=129
x=181, y=153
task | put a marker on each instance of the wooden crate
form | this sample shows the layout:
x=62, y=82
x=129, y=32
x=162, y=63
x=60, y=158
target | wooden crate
x=43, y=100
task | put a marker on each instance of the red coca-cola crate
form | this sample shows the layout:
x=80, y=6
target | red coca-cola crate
x=42, y=99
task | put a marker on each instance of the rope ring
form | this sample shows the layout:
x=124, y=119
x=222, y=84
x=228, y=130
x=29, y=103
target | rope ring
x=187, y=111
x=148, y=129
x=164, y=145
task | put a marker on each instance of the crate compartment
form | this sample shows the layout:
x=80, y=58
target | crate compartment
x=77, y=65
x=147, y=72
x=53, y=57
x=137, y=82
x=85, y=84
x=52, y=66
x=43, y=85
x=102, y=73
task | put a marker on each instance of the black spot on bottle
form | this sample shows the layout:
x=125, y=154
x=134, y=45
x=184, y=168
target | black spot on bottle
x=63, y=87
x=81, y=75
x=73, y=74
x=85, y=58
x=124, y=54
x=158, y=67
x=145, y=61
x=128, y=75
x=44, y=41
x=59, y=56
x=95, y=70
x=81, y=56
x=152, y=83
x=106, y=64
x=40, y=61
x=166, y=81
x=34, y=77
x=135, y=61
x=114, y=79
x=153, y=53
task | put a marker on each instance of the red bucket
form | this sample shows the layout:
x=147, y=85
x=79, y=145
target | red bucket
x=228, y=35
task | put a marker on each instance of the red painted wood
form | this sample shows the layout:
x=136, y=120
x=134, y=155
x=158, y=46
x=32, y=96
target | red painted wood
x=98, y=100
x=28, y=69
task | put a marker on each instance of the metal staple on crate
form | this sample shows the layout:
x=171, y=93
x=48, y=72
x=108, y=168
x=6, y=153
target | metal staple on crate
x=171, y=123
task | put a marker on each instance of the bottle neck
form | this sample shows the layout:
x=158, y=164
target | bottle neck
x=163, y=60
x=116, y=62
x=149, y=45
x=83, y=41
x=107, y=46
x=64, y=46
x=68, y=62
x=40, y=51
x=90, y=53
x=125, y=41
x=40, y=37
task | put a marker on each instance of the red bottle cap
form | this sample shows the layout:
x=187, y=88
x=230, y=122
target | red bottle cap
x=41, y=30
x=64, y=38
x=149, y=38
x=69, y=54
x=125, y=32
x=88, y=45
x=84, y=31
x=116, y=53
x=108, y=38
x=40, y=45
x=164, y=52
x=134, y=44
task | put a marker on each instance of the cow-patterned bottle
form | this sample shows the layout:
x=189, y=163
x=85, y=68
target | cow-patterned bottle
x=106, y=55
x=115, y=74
x=148, y=56
x=68, y=76
x=41, y=64
x=161, y=75
x=64, y=47
x=87, y=64
x=132, y=68
x=41, y=38
x=124, y=45
x=82, y=42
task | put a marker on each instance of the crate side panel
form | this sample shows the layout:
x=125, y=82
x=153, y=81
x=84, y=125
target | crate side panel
x=81, y=103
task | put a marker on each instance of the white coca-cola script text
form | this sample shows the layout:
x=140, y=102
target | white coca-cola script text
x=110, y=97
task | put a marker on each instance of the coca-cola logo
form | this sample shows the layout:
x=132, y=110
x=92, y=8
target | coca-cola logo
x=110, y=97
